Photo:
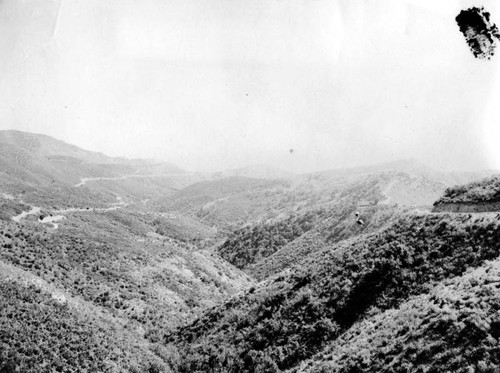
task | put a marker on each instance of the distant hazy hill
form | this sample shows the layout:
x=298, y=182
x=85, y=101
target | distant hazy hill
x=42, y=168
x=233, y=201
x=223, y=203
x=410, y=166
x=41, y=160
x=258, y=171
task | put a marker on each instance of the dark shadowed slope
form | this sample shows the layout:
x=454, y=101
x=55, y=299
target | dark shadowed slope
x=270, y=245
x=297, y=313
x=453, y=328
x=337, y=227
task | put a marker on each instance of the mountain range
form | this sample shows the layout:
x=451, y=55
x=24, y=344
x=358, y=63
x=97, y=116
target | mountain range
x=118, y=265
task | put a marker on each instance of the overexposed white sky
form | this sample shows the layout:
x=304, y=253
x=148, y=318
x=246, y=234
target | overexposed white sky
x=217, y=84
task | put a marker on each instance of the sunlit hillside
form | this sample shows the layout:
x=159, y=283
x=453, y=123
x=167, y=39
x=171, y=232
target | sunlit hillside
x=118, y=265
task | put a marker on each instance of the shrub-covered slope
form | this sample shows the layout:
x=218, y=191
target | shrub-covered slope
x=340, y=224
x=40, y=334
x=486, y=191
x=453, y=328
x=112, y=265
x=297, y=313
x=182, y=228
x=270, y=246
x=256, y=241
x=147, y=281
x=225, y=203
x=252, y=243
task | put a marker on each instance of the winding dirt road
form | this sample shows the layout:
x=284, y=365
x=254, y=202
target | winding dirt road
x=53, y=219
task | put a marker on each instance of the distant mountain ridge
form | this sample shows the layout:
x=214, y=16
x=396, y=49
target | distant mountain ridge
x=257, y=171
x=344, y=270
x=50, y=147
x=39, y=159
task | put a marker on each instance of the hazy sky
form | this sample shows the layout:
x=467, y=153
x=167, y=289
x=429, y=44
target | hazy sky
x=217, y=84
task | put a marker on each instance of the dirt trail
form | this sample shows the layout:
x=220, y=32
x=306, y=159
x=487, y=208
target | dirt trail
x=85, y=180
x=52, y=219
x=22, y=215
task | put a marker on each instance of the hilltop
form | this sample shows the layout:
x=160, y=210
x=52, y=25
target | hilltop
x=41, y=159
x=38, y=164
x=483, y=195
x=257, y=171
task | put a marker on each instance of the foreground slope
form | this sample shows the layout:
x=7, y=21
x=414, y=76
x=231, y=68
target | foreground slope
x=42, y=334
x=292, y=316
x=104, y=279
x=453, y=328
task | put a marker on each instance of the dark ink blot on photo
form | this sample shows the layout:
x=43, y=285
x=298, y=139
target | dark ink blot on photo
x=481, y=35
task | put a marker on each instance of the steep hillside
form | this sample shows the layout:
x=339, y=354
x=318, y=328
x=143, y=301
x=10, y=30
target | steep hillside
x=478, y=196
x=228, y=202
x=129, y=265
x=268, y=246
x=453, y=328
x=114, y=260
x=121, y=280
x=299, y=312
x=340, y=225
x=183, y=228
x=252, y=243
x=39, y=160
x=43, y=334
